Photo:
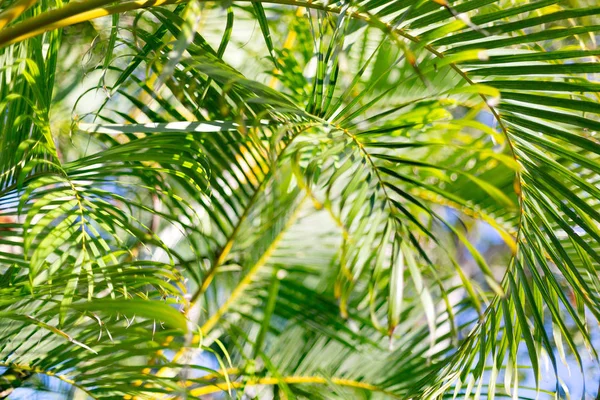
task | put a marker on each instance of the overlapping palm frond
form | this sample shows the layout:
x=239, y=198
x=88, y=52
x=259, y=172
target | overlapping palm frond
x=307, y=201
x=75, y=232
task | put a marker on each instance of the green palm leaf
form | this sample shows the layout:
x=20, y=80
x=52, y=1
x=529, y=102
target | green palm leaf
x=297, y=187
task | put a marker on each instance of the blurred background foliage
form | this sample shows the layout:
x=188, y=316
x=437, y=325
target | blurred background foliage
x=299, y=199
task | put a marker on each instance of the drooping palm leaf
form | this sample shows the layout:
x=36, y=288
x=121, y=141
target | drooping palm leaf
x=374, y=120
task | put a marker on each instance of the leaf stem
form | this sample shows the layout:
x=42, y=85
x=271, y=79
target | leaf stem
x=294, y=380
x=247, y=280
x=37, y=370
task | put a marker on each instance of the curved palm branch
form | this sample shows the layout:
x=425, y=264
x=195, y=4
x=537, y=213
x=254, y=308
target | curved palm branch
x=305, y=206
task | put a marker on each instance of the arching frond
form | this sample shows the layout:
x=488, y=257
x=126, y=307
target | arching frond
x=300, y=188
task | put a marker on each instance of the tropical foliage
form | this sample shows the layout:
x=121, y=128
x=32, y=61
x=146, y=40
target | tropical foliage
x=298, y=199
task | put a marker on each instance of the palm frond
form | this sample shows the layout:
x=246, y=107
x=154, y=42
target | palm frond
x=312, y=212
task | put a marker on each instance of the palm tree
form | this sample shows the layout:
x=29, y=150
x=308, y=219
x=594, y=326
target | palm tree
x=298, y=199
